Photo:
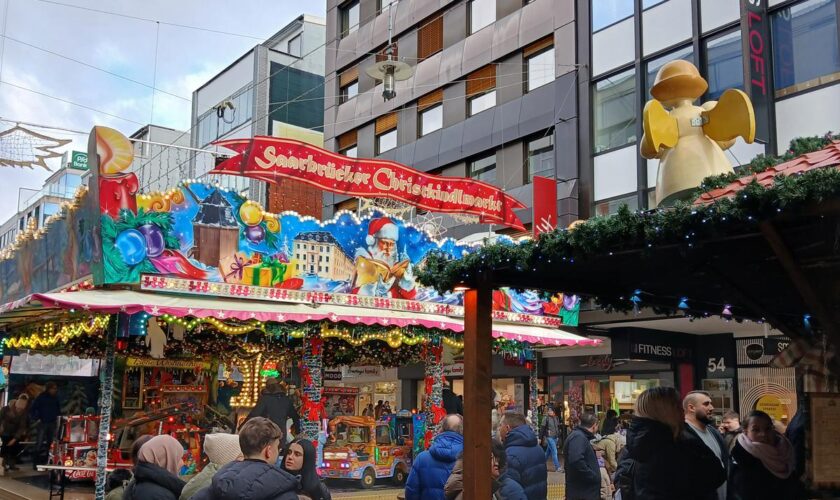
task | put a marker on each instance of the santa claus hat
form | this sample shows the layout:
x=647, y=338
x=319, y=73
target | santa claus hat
x=381, y=228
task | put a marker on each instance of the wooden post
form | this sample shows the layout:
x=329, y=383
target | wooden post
x=478, y=364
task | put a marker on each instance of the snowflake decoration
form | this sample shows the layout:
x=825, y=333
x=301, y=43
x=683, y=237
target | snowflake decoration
x=21, y=147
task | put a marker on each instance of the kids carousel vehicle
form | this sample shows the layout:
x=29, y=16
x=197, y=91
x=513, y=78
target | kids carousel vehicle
x=365, y=449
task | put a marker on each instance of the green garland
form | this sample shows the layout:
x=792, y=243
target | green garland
x=681, y=224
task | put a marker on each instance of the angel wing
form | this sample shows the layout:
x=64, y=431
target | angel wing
x=731, y=117
x=660, y=130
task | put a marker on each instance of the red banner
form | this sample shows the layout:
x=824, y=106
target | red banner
x=545, y=205
x=269, y=159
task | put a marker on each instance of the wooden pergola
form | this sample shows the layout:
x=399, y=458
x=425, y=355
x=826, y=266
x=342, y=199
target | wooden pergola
x=781, y=265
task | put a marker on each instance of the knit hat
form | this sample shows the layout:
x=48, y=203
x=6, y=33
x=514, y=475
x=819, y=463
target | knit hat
x=382, y=228
x=222, y=448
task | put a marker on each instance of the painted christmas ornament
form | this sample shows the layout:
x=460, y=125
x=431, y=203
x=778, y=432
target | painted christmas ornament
x=255, y=234
x=132, y=246
x=251, y=213
x=155, y=243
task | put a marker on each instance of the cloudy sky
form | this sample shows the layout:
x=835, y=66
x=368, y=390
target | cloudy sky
x=120, y=44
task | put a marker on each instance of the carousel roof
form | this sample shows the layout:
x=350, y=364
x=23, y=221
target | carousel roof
x=128, y=301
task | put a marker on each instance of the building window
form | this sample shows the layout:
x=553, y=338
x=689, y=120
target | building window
x=430, y=38
x=646, y=4
x=614, y=111
x=484, y=169
x=724, y=64
x=295, y=45
x=609, y=207
x=653, y=65
x=481, y=89
x=540, y=157
x=349, y=18
x=539, y=63
x=481, y=13
x=386, y=133
x=607, y=12
x=431, y=119
x=348, y=85
x=382, y=6
x=805, y=46
x=347, y=143
x=351, y=152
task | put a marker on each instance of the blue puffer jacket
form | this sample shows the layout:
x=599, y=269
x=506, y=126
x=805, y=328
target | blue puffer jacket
x=250, y=480
x=526, y=462
x=431, y=468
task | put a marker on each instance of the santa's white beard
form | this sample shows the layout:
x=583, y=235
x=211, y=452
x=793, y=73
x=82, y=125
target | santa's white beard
x=377, y=254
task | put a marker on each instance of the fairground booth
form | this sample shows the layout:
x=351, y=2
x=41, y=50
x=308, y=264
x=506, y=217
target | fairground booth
x=192, y=298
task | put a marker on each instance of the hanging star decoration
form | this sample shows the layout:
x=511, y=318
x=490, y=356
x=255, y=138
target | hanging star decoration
x=21, y=147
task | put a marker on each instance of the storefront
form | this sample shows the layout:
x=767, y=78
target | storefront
x=358, y=387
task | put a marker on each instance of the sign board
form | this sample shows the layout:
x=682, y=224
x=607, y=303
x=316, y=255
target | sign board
x=58, y=366
x=775, y=345
x=349, y=372
x=633, y=343
x=79, y=160
x=755, y=39
x=825, y=440
x=453, y=370
x=332, y=375
x=545, y=205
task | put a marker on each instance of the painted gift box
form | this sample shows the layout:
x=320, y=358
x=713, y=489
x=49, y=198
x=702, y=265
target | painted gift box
x=269, y=272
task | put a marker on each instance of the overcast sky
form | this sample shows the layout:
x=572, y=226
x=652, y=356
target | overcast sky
x=186, y=59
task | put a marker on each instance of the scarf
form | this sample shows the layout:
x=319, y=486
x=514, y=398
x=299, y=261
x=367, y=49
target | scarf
x=164, y=451
x=778, y=458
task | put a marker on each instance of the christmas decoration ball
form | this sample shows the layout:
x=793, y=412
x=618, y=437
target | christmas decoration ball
x=255, y=234
x=132, y=246
x=155, y=243
x=251, y=213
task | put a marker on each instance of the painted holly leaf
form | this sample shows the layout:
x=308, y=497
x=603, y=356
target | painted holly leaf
x=21, y=147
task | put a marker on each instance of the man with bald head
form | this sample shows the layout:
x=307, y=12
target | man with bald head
x=699, y=418
x=432, y=467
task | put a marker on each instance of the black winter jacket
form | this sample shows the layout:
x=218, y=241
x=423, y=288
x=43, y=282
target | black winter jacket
x=250, y=480
x=583, y=477
x=526, y=462
x=278, y=408
x=661, y=468
x=451, y=402
x=750, y=480
x=153, y=483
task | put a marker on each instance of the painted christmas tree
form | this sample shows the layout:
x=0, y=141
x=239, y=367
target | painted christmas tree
x=77, y=402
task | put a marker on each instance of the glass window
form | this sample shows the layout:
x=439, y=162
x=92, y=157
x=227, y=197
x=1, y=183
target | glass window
x=350, y=152
x=431, y=119
x=484, y=169
x=541, y=157
x=653, y=65
x=805, y=45
x=540, y=69
x=607, y=12
x=481, y=13
x=481, y=102
x=610, y=207
x=295, y=44
x=382, y=6
x=349, y=18
x=646, y=4
x=386, y=141
x=348, y=92
x=724, y=64
x=614, y=111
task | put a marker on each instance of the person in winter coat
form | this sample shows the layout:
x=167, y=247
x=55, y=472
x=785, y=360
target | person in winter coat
x=525, y=457
x=45, y=411
x=583, y=477
x=550, y=431
x=156, y=473
x=300, y=462
x=662, y=462
x=731, y=428
x=432, y=467
x=504, y=488
x=221, y=449
x=610, y=446
x=610, y=423
x=606, y=482
x=116, y=483
x=14, y=425
x=276, y=406
x=256, y=477
x=699, y=418
x=451, y=403
x=762, y=463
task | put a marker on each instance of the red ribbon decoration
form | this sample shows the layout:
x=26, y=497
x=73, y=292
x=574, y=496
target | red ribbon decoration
x=438, y=413
x=270, y=159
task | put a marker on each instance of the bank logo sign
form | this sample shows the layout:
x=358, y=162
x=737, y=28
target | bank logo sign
x=79, y=160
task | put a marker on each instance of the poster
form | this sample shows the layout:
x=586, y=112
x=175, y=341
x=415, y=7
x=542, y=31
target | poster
x=825, y=440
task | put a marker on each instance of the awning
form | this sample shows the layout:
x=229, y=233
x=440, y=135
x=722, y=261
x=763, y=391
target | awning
x=156, y=304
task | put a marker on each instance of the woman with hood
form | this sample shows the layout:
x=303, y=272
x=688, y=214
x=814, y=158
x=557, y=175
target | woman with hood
x=662, y=462
x=504, y=488
x=762, y=463
x=14, y=424
x=300, y=462
x=156, y=473
x=221, y=449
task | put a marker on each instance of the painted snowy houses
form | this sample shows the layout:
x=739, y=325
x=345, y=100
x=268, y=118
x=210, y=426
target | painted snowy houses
x=216, y=232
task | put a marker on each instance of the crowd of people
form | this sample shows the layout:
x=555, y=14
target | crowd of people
x=17, y=420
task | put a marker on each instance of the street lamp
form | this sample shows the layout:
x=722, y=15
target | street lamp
x=390, y=70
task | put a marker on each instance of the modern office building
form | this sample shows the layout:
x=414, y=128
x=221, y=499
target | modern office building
x=161, y=157
x=506, y=89
x=277, y=83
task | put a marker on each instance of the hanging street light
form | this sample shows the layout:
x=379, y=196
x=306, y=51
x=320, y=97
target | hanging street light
x=390, y=70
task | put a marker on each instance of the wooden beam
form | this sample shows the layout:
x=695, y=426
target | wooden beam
x=800, y=281
x=478, y=364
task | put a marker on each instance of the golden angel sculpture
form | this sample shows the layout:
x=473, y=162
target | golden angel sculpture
x=689, y=140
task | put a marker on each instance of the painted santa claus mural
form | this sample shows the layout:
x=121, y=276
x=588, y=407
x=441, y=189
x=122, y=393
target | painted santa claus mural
x=381, y=269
